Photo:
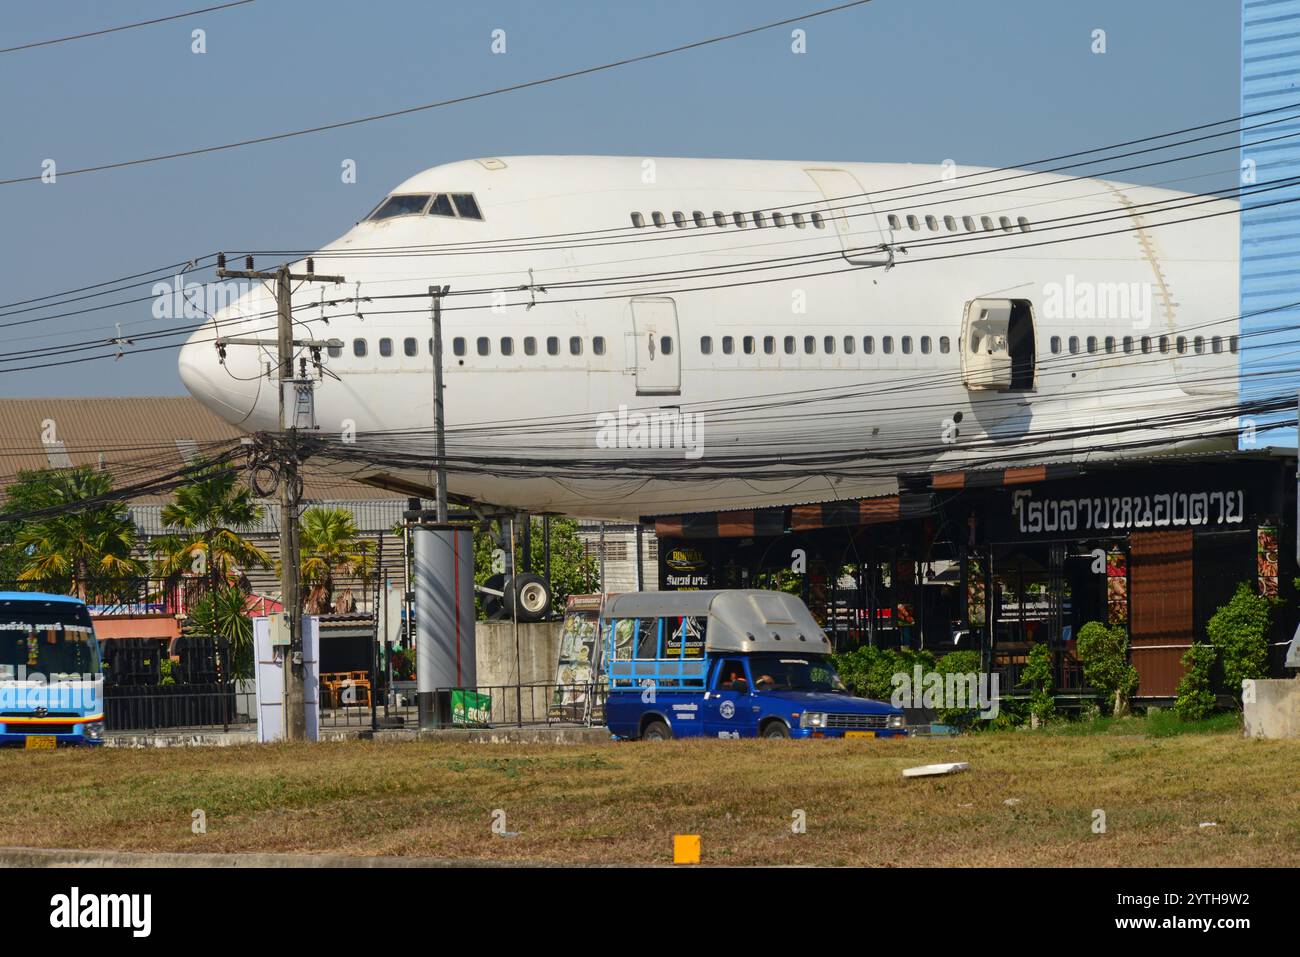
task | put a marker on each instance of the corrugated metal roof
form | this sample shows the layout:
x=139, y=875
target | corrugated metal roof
x=134, y=437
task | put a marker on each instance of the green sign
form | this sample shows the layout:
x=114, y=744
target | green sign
x=469, y=708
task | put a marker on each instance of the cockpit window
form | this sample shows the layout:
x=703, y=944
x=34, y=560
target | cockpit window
x=408, y=204
x=441, y=206
x=455, y=206
x=466, y=206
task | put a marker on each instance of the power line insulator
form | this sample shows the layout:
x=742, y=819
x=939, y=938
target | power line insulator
x=311, y=265
x=221, y=260
x=248, y=263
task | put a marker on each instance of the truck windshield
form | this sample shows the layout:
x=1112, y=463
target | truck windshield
x=52, y=638
x=777, y=672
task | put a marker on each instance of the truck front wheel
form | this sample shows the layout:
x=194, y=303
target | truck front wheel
x=776, y=729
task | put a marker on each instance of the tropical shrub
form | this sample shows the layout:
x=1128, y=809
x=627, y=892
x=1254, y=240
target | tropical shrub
x=1103, y=652
x=1195, y=693
x=1239, y=632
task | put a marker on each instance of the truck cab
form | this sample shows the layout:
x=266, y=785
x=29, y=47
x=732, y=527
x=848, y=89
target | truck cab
x=741, y=663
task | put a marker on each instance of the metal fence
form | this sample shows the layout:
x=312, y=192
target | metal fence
x=178, y=707
x=479, y=706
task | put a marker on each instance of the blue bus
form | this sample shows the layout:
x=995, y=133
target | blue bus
x=51, y=676
x=741, y=663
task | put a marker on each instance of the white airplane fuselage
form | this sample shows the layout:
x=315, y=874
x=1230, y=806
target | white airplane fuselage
x=826, y=348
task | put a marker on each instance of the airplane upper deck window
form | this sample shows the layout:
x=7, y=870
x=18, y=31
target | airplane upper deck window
x=638, y=220
x=818, y=221
x=407, y=204
x=893, y=222
x=778, y=219
x=719, y=218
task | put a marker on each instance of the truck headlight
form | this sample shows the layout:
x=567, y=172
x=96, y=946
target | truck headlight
x=812, y=719
x=94, y=730
x=897, y=721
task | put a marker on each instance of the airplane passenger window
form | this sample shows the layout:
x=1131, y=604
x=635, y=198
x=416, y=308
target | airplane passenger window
x=931, y=223
x=769, y=345
x=893, y=221
x=913, y=222
x=466, y=206
x=507, y=346
x=749, y=345
x=666, y=345
x=987, y=223
x=638, y=220
x=818, y=221
x=698, y=217
x=441, y=206
x=719, y=218
x=828, y=345
x=789, y=345
x=386, y=348
x=969, y=223
x=484, y=345
x=907, y=345
x=778, y=219
x=1110, y=344
x=740, y=220
x=359, y=347
x=728, y=345
x=1232, y=343
x=334, y=351
x=1164, y=344
x=1216, y=344
x=410, y=346
x=797, y=219
x=1128, y=343
x=530, y=345
x=658, y=219
x=1146, y=344
x=1181, y=344
x=1056, y=345
x=552, y=345
x=598, y=345
x=868, y=344
x=950, y=224
x=850, y=344
x=809, y=344
x=405, y=205
x=887, y=344
x=575, y=345
x=458, y=345
x=679, y=219
x=760, y=219
x=1005, y=222
x=706, y=345
x=925, y=345
x=943, y=345
x=1074, y=345
x=1024, y=224
x=1092, y=344
x=1199, y=344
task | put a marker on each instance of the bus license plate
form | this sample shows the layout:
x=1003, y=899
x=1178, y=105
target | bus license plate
x=41, y=741
x=859, y=734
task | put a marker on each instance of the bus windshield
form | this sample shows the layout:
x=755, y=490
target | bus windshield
x=778, y=672
x=54, y=639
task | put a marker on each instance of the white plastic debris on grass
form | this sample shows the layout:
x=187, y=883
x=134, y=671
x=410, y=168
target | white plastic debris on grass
x=933, y=770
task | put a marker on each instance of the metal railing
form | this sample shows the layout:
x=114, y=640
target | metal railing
x=178, y=707
x=505, y=706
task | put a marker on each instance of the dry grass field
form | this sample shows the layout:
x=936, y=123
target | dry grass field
x=1028, y=799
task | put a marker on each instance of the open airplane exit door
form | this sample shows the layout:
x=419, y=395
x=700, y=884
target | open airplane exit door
x=654, y=347
x=852, y=216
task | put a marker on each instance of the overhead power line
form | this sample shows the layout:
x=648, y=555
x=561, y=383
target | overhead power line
x=125, y=26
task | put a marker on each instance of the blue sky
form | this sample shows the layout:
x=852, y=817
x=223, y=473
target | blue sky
x=995, y=82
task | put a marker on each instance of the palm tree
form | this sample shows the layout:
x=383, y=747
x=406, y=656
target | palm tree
x=332, y=546
x=79, y=546
x=208, y=516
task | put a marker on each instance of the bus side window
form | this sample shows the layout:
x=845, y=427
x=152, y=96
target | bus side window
x=731, y=676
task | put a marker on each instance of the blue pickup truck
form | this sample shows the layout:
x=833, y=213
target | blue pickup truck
x=738, y=663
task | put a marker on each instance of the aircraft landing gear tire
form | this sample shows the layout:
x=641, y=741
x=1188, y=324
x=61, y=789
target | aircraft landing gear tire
x=528, y=596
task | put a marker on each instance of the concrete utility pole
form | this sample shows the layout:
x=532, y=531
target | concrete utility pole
x=290, y=480
x=439, y=420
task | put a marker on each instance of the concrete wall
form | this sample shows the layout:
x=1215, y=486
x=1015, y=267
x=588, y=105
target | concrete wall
x=1274, y=711
x=539, y=647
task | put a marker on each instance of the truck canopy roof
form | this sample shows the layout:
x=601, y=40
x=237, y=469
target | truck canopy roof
x=740, y=620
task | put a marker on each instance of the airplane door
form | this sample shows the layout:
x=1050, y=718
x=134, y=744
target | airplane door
x=655, y=347
x=851, y=215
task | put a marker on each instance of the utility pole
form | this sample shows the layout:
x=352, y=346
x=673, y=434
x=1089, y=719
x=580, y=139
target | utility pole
x=439, y=421
x=290, y=479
